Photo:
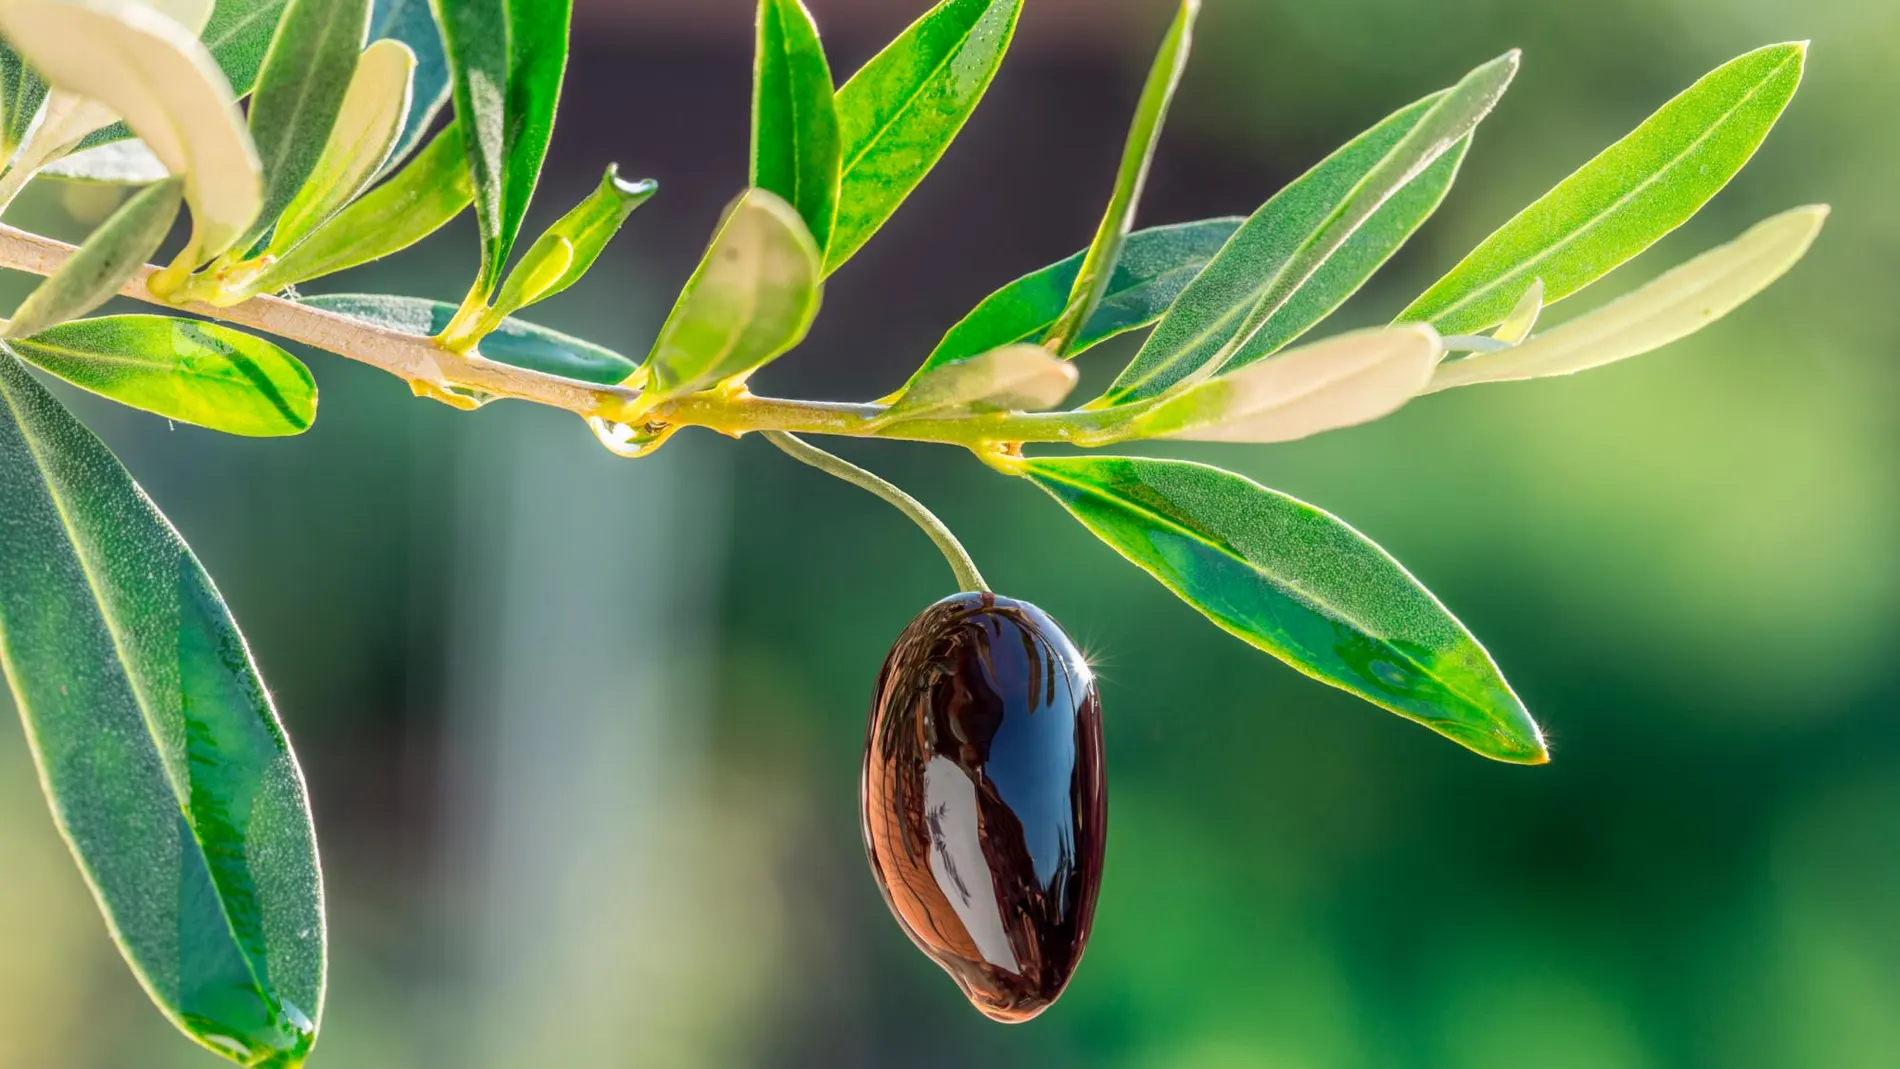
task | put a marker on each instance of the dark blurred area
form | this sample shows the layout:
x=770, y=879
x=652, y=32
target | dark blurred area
x=583, y=734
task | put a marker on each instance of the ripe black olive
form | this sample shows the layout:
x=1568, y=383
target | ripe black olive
x=983, y=800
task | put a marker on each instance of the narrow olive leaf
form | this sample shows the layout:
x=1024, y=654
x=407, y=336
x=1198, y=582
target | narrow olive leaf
x=512, y=341
x=1523, y=319
x=21, y=94
x=1300, y=584
x=1340, y=382
x=415, y=202
x=1154, y=267
x=796, y=152
x=412, y=23
x=506, y=59
x=901, y=111
x=1317, y=241
x=1626, y=198
x=300, y=92
x=108, y=259
x=119, y=163
x=239, y=37
x=146, y=67
x=752, y=298
x=362, y=137
x=161, y=756
x=565, y=252
x=1023, y=378
x=1674, y=306
x=193, y=372
x=1098, y=265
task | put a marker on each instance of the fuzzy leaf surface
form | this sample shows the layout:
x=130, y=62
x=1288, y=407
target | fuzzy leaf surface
x=412, y=204
x=1092, y=282
x=899, y=113
x=796, y=151
x=163, y=760
x=1317, y=241
x=299, y=93
x=1300, y=584
x=1677, y=304
x=1154, y=267
x=1621, y=202
x=362, y=137
x=523, y=345
x=108, y=259
x=506, y=61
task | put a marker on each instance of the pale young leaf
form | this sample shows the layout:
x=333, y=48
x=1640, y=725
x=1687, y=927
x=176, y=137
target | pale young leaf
x=1342, y=381
x=372, y=115
x=147, y=67
x=1023, y=378
x=1674, y=306
x=1523, y=319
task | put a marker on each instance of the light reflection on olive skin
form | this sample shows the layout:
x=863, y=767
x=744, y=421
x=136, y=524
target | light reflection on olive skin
x=983, y=798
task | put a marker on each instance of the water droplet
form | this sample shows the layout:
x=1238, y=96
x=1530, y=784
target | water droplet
x=984, y=804
x=629, y=440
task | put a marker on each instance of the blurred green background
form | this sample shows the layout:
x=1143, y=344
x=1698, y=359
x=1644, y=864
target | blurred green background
x=583, y=734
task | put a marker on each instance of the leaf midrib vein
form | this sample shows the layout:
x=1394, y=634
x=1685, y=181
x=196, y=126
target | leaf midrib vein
x=1296, y=591
x=1620, y=202
x=139, y=697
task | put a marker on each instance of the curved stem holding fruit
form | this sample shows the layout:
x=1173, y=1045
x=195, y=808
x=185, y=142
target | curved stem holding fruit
x=968, y=578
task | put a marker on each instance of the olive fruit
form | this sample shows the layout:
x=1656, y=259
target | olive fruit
x=983, y=800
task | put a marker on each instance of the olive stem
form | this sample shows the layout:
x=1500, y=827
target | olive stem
x=968, y=577
x=424, y=360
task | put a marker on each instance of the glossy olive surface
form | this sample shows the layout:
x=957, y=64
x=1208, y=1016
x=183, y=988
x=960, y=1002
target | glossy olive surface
x=983, y=800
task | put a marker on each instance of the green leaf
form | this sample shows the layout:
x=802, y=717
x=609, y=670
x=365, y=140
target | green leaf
x=1154, y=267
x=796, y=151
x=183, y=369
x=162, y=758
x=122, y=163
x=142, y=64
x=1316, y=242
x=753, y=298
x=360, y=140
x=239, y=36
x=299, y=93
x=1098, y=268
x=513, y=342
x=412, y=23
x=1342, y=381
x=506, y=58
x=1620, y=203
x=565, y=252
x=1026, y=378
x=1674, y=306
x=899, y=113
x=21, y=94
x=415, y=202
x=111, y=255
x=1300, y=584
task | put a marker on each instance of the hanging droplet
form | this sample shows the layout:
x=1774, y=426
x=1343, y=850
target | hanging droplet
x=629, y=440
x=983, y=799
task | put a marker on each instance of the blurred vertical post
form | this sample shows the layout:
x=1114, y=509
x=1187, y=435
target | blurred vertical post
x=585, y=587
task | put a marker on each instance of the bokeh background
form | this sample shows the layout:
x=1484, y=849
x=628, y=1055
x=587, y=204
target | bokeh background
x=583, y=733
